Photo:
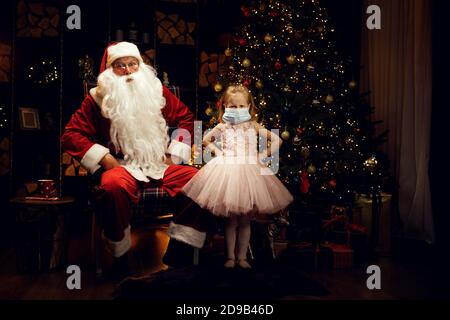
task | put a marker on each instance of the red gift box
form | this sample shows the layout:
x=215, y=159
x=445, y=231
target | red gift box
x=341, y=255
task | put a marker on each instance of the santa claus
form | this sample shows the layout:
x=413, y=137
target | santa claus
x=121, y=130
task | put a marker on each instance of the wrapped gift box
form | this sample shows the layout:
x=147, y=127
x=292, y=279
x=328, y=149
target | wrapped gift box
x=358, y=241
x=338, y=256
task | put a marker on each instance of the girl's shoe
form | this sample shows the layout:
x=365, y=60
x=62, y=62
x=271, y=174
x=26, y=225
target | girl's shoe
x=243, y=263
x=230, y=263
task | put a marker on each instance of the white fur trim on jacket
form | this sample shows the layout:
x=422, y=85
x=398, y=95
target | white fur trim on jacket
x=187, y=235
x=119, y=248
x=97, y=98
x=93, y=156
x=180, y=149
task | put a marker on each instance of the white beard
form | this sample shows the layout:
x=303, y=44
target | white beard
x=138, y=129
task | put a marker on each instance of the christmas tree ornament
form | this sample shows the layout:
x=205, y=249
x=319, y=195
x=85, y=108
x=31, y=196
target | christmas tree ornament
x=296, y=140
x=278, y=64
x=310, y=68
x=209, y=111
x=332, y=183
x=212, y=121
x=246, y=82
x=311, y=169
x=329, y=99
x=273, y=14
x=289, y=28
x=262, y=7
x=316, y=103
x=246, y=63
x=228, y=52
x=371, y=163
x=305, y=152
x=291, y=59
x=352, y=84
x=218, y=87
x=305, y=184
x=268, y=38
x=259, y=84
x=299, y=131
x=242, y=42
x=285, y=135
x=245, y=11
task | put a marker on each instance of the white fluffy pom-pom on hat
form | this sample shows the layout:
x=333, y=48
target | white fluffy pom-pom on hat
x=120, y=50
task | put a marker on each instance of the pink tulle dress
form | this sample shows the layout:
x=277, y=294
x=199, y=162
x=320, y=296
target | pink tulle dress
x=235, y=183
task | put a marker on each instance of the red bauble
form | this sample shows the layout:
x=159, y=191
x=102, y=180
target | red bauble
x=304, y=182
x=242, y=42
x=245, y=11
x=246, y=82
x=273, y=14
x=278, y=65
x=299, y=131
x=332, y=183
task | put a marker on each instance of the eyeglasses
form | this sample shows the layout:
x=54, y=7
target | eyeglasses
x=123, y=66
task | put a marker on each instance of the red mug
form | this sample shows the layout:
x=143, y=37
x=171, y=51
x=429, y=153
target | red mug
x=47, y=188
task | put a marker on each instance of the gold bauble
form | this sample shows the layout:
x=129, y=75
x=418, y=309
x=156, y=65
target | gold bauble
x=246, y=63
x=228, y=52
x=305, y=152
x=209, y=111
x=268, y=38
x=329, y=99
x=371, y=163
x=311, y=169
x=291, y=59
x=285, y=135
x=352, y=84
x=218, y=87
x=259, y=84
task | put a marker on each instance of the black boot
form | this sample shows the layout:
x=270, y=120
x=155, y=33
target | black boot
x=178, y=254
x=120, y=268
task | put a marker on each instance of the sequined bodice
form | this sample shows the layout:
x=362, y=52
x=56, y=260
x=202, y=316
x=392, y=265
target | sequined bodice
x=239, y=140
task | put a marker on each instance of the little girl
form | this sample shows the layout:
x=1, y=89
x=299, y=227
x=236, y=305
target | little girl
x=234, y=184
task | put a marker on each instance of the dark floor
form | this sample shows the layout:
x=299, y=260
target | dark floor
x=403, y=277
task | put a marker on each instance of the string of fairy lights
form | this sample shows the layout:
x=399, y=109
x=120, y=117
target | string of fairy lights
x=43, y=72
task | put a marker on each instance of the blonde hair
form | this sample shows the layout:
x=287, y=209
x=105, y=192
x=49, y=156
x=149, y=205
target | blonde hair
x=232, y=89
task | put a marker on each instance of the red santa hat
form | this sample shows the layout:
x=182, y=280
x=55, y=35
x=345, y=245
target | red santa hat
x=119, y=50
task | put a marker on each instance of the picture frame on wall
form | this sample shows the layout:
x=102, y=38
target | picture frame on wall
x=29, y=119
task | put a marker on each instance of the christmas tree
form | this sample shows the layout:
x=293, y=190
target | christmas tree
x=285, y=54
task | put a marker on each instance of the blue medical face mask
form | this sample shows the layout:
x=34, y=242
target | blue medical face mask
x=236, y=115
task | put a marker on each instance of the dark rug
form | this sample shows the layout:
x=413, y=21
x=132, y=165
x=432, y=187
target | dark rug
x=213, y=282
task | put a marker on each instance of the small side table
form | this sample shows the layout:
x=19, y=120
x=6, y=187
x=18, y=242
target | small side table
x=41, y=234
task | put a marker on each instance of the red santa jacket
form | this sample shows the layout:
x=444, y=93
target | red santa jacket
x=86, y=136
